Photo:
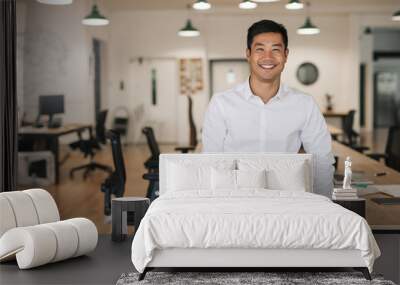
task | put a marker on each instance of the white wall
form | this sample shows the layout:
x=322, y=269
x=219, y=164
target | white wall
x=58, y=58
x=152, y=35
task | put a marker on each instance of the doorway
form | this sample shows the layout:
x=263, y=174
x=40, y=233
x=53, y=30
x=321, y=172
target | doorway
x=153, y=93
x=386, y=77
x=386, y=92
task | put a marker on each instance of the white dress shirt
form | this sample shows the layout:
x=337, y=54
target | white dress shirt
x=238, y=121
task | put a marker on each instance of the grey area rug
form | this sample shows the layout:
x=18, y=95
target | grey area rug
x=229, y=278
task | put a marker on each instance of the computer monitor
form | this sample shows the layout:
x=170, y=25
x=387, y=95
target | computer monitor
x=50, y=105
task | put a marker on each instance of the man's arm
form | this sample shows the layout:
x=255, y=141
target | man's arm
x=317, y=140
x=214, y=128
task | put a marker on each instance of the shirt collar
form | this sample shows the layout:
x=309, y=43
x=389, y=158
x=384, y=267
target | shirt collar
x=246, y=90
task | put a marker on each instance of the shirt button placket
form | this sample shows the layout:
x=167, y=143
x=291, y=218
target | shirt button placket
x=263, y=129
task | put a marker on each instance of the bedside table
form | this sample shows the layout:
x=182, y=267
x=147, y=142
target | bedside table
x=127, y=211
x=356, y=205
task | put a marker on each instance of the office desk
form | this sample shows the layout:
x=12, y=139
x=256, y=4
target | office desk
x=379, y=216
x=52, y=137
x=334, y=114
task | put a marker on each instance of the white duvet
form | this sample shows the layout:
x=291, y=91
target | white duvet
x=250, y=219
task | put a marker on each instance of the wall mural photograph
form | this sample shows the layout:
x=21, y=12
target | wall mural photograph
x=142, y=140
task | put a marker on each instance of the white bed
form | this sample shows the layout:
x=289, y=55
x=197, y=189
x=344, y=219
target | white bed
x=198, y=222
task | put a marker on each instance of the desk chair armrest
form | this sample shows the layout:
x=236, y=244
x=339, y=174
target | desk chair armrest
x=151, y=176
x=151, y=164
x=185, y=149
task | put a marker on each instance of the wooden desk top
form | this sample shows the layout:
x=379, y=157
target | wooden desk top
x=378, y=216
x=365, y=164
x=65, y=129
x=335, y=113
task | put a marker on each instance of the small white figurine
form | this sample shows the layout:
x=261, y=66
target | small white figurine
x=347, y=173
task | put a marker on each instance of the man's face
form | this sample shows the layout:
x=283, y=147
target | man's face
x=267, y=56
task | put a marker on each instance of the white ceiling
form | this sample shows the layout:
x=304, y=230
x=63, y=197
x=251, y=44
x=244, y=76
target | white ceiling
x=320, y=6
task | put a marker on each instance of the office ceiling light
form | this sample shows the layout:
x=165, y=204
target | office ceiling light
x=95, y=18
x=56, y=2
x=188, y=30
x=308, y=28
x=396, y=16
x=266, y=1
x=247, y=4
x=201, y=5
x=294, y=5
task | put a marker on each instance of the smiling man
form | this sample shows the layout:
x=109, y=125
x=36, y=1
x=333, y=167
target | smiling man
x=264, y=115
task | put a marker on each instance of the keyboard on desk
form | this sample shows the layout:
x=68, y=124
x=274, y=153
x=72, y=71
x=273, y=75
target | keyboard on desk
x=386, y=201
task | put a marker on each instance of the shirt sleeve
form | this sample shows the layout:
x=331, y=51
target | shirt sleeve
x=317, y=140
x=214, y=128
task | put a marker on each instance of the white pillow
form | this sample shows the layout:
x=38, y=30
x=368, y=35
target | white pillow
x=282, y=174
x=187, y=174
x=183, y=178
x=293, y=179
x=251, y=178
x=223, y=179
x=237, y=179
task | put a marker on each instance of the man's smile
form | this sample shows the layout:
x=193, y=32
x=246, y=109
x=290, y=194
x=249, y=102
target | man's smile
x=268, y=66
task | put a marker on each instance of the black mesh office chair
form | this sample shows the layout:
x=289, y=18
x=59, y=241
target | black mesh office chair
x=351, y=137
x=89, y=147
x=115, y=183
x=392, y=149
x=152, y=162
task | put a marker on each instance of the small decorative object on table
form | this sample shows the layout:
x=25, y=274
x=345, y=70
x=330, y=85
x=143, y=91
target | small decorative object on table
x=127, y=211
x=329, y=105
x=347, y=196
x=346, y=192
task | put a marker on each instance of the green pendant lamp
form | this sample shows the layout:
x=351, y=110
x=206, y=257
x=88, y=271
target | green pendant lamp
x=396, y=16
x=308, y=28
x=95, y=18
x=188, y=30
x=294, y=5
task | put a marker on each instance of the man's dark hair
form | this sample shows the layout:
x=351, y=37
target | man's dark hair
x=266, y=26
